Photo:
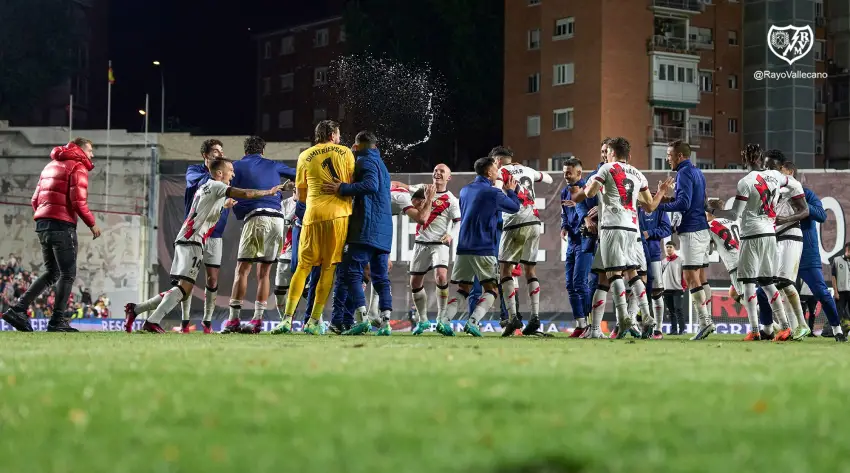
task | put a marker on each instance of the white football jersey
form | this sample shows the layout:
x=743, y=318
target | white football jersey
x=784, y=209
x=621, y=185
x=287, y=206
x=525, y=178
x=445, y=209
x=400, y=199
x=760, y=191
x=204, y=214
x=726, y=237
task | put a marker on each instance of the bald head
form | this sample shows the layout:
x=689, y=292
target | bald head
x=442, y=175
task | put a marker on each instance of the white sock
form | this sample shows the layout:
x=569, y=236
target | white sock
x=509, y=289
x=708, y=296
x=280, y=301
x=442, y=297
x=618, y=293
x=259, y=310
x=209, y=303
x=751, y=303
x=639, y=293
x=235, y=308
x=837, y=330
x=698, y=303
x=374, y=304
x=484, y=304
x=775, y=299
x=658, y=309
x=386, y=315
x=534, y=296
x=792, y=298
x=361, y=314
x=149, y=304
x=186, y=307
x=598, y=308
x=631, y=301
x=581, y=322
x=420, y=299
x=169, y=301
x=455, y=305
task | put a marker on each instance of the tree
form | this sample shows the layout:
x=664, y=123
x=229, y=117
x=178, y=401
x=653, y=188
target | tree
x=39, y=44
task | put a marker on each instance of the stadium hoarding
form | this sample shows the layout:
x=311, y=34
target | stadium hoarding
x=830, y=186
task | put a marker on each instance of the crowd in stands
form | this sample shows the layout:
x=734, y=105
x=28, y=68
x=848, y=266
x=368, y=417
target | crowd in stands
x=15, y=280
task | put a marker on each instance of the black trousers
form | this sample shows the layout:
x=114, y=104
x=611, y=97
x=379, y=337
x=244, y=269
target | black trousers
x=810, y=305
x=843, y=304
x=59, y=250
x=673, y=302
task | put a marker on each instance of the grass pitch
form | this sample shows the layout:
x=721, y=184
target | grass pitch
x=108, y=402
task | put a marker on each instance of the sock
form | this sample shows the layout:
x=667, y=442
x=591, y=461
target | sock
x=708, y=296
x=534, y=295
x=658, y=309
x=296, y=289
x=169, y=301
x=186, y=307
x=259, y=310
x=385, y=317
x=235, y=308
x=280, y=301
x=751, y=304
x=442, y=297
x=323, y=289
x=149, y=304
x=209, y=302
x=837, y=330
x=581, y=322
x=453, y=306
x=484, y=304
x=420, y=299
x=775, y=299
x=698, y=303
x=639, y=293
x=361, y=314
x=789, y=311
x=631, y=301
x=618, y=293
x=598, y=306
x=509, y=293
x=792, y=298
x=373, y=304
x=768, y=329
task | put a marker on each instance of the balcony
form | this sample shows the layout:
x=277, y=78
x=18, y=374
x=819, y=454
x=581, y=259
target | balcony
x=662, y=135
x=666, y=44
x=839, y=109
x=677, y=6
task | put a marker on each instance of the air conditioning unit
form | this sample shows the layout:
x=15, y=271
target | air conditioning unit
x=820, y=108
x=820, y=21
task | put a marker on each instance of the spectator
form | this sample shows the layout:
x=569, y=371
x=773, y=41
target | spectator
x=674, y=289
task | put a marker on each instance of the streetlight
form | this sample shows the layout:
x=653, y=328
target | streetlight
x=162, y=105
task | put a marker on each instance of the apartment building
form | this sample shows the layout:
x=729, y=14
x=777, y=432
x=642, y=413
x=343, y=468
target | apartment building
x=834, y=135
x=292, y=74
x=655, y=71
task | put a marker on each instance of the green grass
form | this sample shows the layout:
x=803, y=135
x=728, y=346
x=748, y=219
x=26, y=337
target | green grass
x=107, y=402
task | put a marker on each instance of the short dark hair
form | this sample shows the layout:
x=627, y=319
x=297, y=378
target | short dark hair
x=573, y=162
x=80, y=141
x=501, y=151
x=419, y=194
x=606, y=140
x=218, y=163
x=207, y=145
x=254, y=145
x=776, y=156
x=670, y=243
x=325, y=130
x=621, y=147
x=846, y=246
x=366, y=139
x=680, y=147
x=790, y=166
x=483, y=164
x=752, y=154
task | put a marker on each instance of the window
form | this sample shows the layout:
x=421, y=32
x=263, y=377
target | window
x=287, y=82
x=563, y=119
x=532, y=3
x=320, y=38
x=690, y=75
x=284, y=119
x=534, y=39
x=265, y=122
x=707, y=2
x=320, y=114
x=320, y=76
x=565, y=28
x=267, y=85
x=733, y=125
x=818, y=8
x=705, y=163
x=818, y=95
x=533, y=125
x=662, y=72
x=733, y=38
x=681, y=77
x=820, y=50
x=342, y=35
x=267, y=50
x=702, y=126
x=563, y=74
x=533, y=83
x=671, y=73
x=657, y=164
x=702, y=37
x=733, y=81
x=706, y=81
x=557, y=162
x=287, y=45
x=818, y=140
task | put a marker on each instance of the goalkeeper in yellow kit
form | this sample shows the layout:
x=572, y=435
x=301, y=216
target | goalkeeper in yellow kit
x=325, y=223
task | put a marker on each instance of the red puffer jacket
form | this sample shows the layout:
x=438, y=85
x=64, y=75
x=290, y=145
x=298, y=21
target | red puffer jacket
x=62, y=191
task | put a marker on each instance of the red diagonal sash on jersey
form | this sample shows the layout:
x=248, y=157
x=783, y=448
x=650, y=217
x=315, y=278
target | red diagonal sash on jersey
x=437, y=208
x=766, y=197
x=190, y=225
x=521, y=192
x=724, y=233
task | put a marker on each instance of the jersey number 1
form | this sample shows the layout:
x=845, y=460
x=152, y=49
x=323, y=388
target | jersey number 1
x=329, y=165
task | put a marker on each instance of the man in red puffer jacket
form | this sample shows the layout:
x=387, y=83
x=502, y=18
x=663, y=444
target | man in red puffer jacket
x=60, y=197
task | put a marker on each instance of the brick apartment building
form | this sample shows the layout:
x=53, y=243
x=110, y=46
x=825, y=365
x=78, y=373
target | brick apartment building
x=292, y=72
x=661, y=70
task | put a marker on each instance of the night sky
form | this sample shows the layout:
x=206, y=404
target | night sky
x=208, y=56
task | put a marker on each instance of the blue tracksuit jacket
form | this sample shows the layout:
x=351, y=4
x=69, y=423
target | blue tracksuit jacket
x=480, y=204
x=689, y=199
x=371, y=221
x=657, y=224
x=256, y=172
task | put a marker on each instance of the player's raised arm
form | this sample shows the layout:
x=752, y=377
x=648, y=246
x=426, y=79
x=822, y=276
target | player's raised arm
x=247, y=194
x=285, y=171
x=367, y=185
x=741, y=198
x=543, y=177
x=798, y=203
x=508, y=201
x=420, y=211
